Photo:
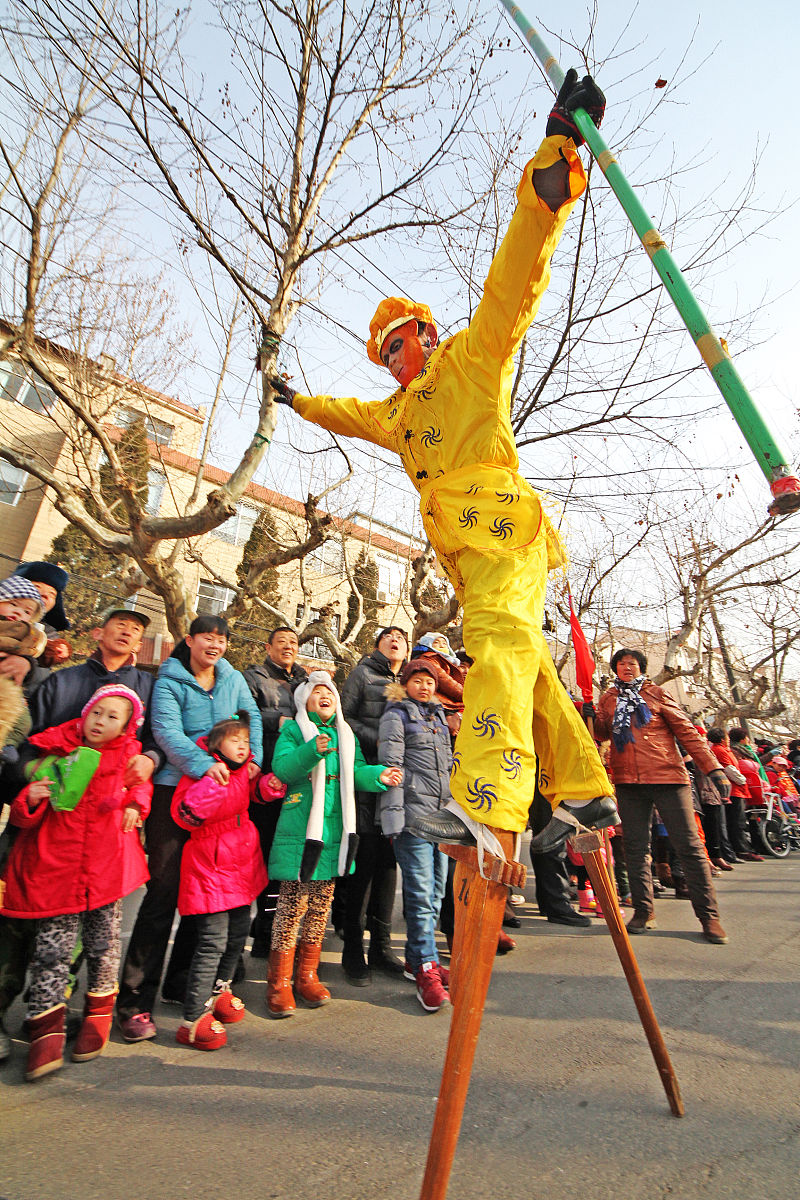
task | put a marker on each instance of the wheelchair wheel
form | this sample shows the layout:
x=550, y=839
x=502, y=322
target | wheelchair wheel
x=774, y=836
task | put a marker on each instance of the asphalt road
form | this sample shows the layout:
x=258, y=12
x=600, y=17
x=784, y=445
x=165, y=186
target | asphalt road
x=337, y=1103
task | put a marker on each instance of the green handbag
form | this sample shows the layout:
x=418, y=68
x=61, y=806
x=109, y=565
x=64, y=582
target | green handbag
x=70, y=776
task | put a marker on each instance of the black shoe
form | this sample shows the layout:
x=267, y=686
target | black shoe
x=380, y=956
x=597, y=814
x=570, y=918
x=441, y=826
x=259, y=948
x=512, y=922
x=354, y=965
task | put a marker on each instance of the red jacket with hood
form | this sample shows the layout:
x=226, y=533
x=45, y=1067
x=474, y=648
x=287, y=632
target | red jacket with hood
x=222, y=866
x=72, y=862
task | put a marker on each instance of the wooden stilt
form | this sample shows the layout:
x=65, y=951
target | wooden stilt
x=588, y=845
x=479, y=906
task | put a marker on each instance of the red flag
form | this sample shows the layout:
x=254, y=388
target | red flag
x=584, y=661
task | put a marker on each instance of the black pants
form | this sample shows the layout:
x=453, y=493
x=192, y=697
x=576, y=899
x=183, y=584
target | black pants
x=737, y=826
x=674, y=801
x=265, y=818
x=147, y=949
x=371, y=887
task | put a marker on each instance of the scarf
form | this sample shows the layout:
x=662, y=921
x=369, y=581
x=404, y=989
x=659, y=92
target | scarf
x=347, y=756
x=629, y=705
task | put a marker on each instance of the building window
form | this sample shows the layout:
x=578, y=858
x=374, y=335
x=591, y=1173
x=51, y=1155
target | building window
x=157, y=431
x=237, y=529
x=156, y=482
x=212, y=599
x=12, y=481
x=315, y=647
x=326, y=559
x=20, y=384
x=391, y=576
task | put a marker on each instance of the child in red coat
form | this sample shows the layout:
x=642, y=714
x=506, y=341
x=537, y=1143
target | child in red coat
x=76, y=855
x=222, y=872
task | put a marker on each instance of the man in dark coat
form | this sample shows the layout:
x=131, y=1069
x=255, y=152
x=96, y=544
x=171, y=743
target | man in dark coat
x=273, y=684
x=371, y=888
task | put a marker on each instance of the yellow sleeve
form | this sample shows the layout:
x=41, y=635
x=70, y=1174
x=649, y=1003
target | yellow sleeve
x=367, y=419
x=520, y=271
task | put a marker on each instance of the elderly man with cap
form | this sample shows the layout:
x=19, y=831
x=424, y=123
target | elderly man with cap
x=449, y=421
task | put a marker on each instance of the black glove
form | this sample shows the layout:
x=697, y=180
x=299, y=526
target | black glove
x=283, y=393
x=572, y=95
x=720, y=782
x=587, y=709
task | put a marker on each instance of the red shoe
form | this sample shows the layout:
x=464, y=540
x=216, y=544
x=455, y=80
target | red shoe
x=205, y=1033
x=228, y=1008
x=431, y=992
x=750, y=856
x=505, y=944
x=96, y=1028
x=444, y=975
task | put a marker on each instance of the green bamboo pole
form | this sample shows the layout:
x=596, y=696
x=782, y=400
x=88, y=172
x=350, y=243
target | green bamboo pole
x=785, y=487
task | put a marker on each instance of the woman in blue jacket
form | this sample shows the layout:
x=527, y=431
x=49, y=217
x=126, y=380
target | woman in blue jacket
x=195, y=688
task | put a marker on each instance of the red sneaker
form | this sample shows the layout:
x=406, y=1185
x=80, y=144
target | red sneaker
x=431, y=992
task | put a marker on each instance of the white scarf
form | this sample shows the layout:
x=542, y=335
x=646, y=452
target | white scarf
x=347, y=758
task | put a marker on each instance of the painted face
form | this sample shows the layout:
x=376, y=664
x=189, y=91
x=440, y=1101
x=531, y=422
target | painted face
x=235, y=746
x=627, y=668
x=321, y=701
x=106, y=720
x=283, y=649
x=19, y=608
x=421, y=686
x=405, y=352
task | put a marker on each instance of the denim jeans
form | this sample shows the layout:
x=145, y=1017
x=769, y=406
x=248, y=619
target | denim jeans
x=220, y=940
x=424, y=870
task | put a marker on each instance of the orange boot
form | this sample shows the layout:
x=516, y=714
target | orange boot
x=46, y=1031
x=96, y=1028
x=306, y=981
x=280, y=998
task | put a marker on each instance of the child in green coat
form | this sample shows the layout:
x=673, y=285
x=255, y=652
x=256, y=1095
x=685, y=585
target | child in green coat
x=318, y=756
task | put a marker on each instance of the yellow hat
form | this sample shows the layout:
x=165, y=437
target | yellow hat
x=390, y=314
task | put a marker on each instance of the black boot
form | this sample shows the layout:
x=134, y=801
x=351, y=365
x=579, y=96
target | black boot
x=381, y=956
x=354, y=964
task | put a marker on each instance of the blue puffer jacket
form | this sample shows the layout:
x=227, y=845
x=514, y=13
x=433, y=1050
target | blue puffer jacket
x=415, y=737
x=182, y=711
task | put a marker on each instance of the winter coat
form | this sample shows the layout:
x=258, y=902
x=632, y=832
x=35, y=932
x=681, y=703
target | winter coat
x=755, y=784
x=292, y=762
x=653, y=756
x=183, y=711
x=363, y=698
x=221, y=865
x=727, y=759
x=72, y=862
x=416, y=738
x=449, y=688
x=273, y=690
x=62, y=695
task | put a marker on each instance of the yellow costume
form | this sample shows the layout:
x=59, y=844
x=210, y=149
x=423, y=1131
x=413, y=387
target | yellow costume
x=451, y=427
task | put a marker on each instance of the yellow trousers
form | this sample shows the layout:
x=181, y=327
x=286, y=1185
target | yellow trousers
x=515, y=706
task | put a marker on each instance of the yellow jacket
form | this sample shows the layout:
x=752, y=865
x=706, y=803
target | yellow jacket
x=451, y=426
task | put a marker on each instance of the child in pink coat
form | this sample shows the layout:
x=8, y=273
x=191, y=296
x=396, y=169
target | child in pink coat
x=222, y=872
x=69, y=867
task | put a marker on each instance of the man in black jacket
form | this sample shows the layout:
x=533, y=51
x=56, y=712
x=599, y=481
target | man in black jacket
x=273, y=684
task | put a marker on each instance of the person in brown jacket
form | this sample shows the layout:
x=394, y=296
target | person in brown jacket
x=643, y=723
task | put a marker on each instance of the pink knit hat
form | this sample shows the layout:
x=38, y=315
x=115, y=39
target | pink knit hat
x=117, y=689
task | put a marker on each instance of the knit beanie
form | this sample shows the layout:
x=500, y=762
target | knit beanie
x=117, y=689
x=55, y=577
x=419, y=666
x=427, y=641
x=17, y=588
